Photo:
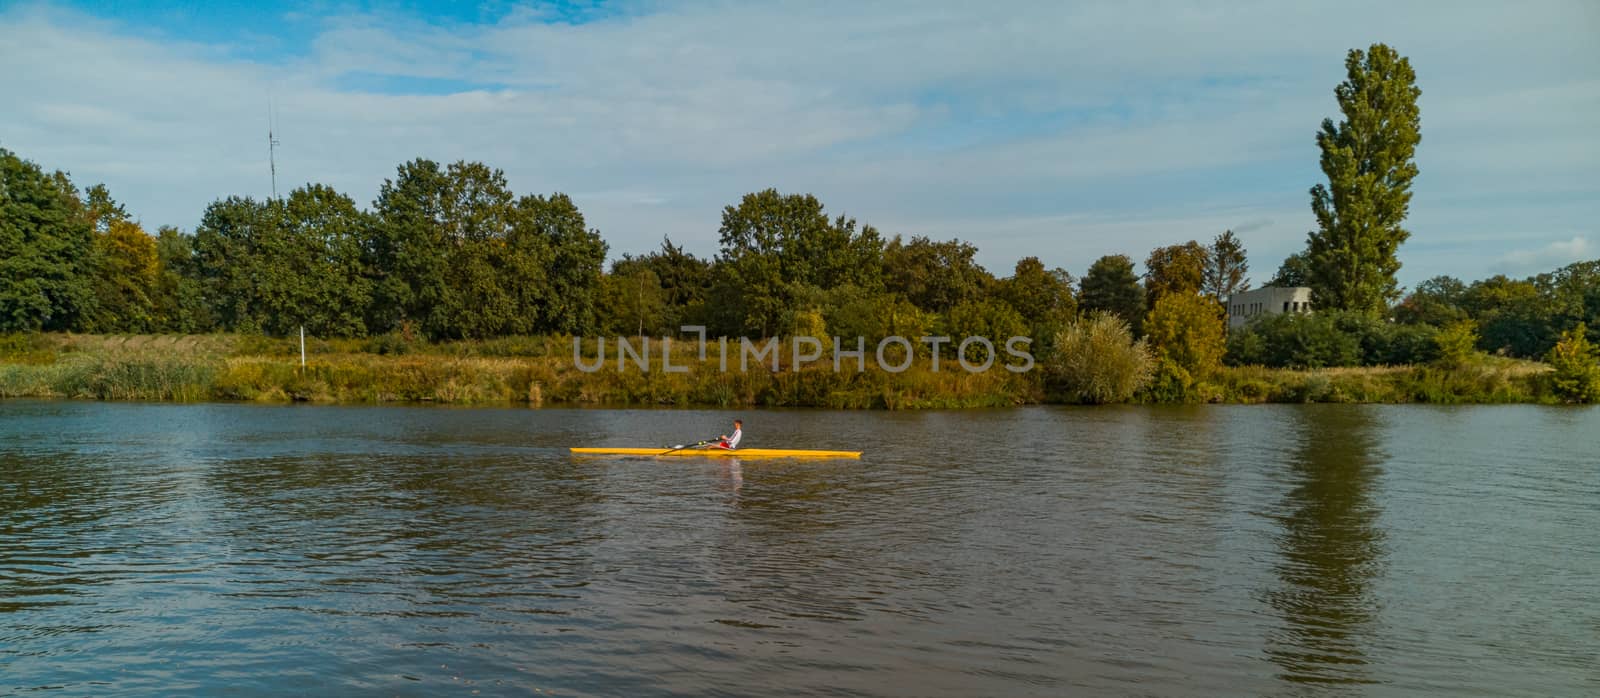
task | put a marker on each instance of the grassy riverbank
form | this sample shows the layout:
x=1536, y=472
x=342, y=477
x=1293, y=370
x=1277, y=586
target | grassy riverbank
x=536, y=371
x=540, y=371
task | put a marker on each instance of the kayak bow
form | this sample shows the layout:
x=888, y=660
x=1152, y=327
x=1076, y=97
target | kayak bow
x=740, y=452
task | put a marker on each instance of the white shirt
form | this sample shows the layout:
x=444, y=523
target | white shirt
x=733, y=441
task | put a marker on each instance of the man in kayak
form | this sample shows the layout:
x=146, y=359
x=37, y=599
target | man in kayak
x=732, y=442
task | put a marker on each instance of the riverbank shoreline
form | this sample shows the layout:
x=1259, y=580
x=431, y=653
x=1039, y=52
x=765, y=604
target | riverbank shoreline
x=541, y=371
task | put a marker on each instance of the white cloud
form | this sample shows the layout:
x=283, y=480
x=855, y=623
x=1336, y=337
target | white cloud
x=1060, y=130
x=1529, y=261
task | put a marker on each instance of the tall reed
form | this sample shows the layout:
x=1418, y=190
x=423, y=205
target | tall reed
x=541, y=371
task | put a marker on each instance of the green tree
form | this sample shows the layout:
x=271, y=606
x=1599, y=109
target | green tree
x=1294, y=272
x=774, y=243
x=1573, y=296
x=634, y=303
x=934, y=275
x=1111, y=286
x=478, y=217
x=1175, y=270
x=121, y=263
x=515, y=275
x=407, y=250
x=1227, y=266
x=851, y=312
x=685, y=282
x=576, y=254
x=234, y=244
x=988, y=318
x=324, y=285
x=179, y=304
x=1436, y=302
x=685, y=277
x=1576, y=377
x=100, y=210
x=46, y=250
x=478, y=304
x=1513, y=316
x=1393, y=344
x=1368, y=158
x=454, y=251
x=1043, y=297
x=276, y=266
x=1295, y=340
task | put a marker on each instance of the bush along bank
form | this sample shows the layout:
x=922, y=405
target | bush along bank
x=465, y=373
x=1093, y=362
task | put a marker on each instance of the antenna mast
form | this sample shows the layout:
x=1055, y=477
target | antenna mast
x=272, y=156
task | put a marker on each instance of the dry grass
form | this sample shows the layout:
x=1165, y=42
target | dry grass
x=211, y=345
x=541, y=371
x=1485, y=380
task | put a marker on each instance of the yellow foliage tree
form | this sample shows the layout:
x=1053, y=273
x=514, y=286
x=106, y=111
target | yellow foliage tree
x=128, y=273
x=1175, y=270
x=1186, y=331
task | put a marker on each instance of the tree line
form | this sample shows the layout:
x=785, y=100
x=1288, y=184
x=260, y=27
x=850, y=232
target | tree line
x=450, y=252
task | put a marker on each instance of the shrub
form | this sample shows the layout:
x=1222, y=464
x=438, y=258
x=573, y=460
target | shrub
x=804, y=323
x=1457, y=344
x=25, y=348
x=1096, y=361
x=990, y=319
x=1331, y=339
x=1169, y=383
x=1405, y=345
x=1245, y=348
x=1577, y=372
x=1373, y=336
x=852, y=312
x=1296, y=341
x=1313, y=387
x=392, y=343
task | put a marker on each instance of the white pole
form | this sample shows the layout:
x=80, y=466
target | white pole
x=302, y=346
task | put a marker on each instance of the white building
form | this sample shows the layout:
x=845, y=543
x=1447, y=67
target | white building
x=1268, y=300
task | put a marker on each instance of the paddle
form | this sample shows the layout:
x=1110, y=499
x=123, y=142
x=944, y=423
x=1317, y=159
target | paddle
x=697, y=444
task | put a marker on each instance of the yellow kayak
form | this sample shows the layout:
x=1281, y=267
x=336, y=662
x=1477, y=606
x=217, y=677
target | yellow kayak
x=740, y=452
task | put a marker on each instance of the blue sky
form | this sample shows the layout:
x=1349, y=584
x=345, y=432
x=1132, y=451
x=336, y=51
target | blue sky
x=1060, y=130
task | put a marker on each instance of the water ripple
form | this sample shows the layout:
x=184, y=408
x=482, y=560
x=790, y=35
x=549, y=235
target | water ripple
x=158, y=550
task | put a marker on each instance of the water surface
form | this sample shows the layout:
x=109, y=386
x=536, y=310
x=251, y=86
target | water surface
x=1274, y=550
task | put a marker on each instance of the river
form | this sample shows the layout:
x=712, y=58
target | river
x=153, y=550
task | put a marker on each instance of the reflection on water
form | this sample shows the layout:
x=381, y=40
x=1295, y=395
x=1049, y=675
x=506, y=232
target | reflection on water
x=1332, y=548
x=47, y=501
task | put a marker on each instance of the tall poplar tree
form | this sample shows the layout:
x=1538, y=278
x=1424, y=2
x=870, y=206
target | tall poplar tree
x=1368, y=159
